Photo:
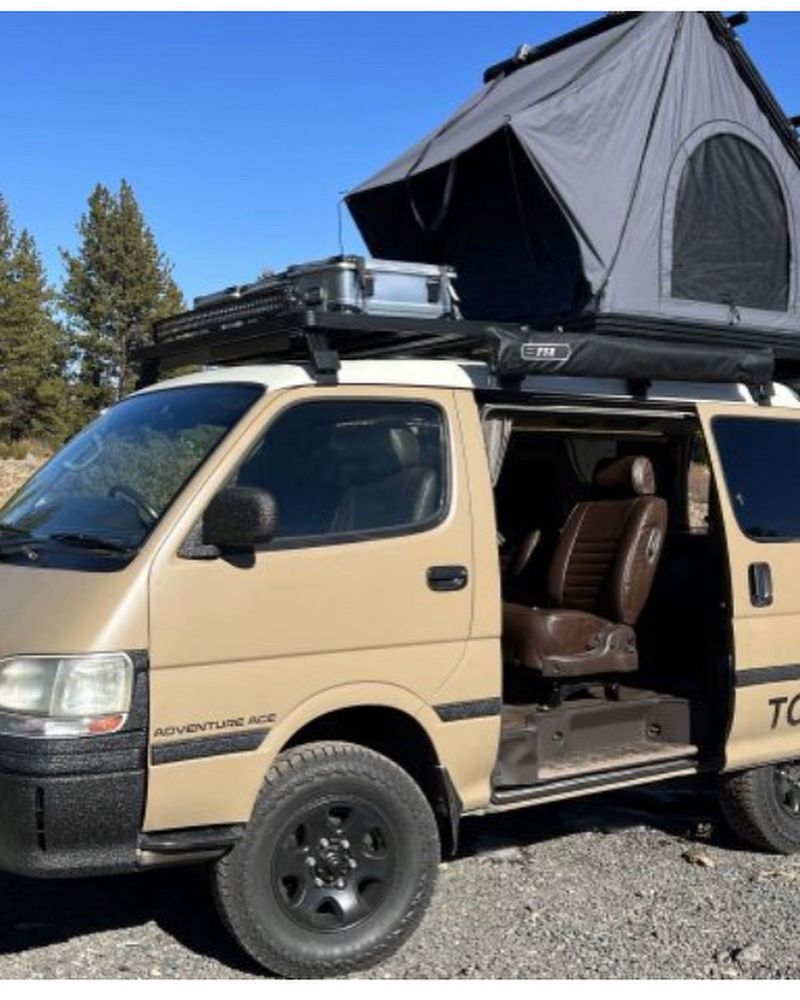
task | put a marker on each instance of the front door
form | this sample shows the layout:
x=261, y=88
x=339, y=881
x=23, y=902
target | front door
x=755, y=454
x=364, y=595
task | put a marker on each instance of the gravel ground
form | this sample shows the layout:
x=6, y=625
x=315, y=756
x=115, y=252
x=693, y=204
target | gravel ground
x=598, y=888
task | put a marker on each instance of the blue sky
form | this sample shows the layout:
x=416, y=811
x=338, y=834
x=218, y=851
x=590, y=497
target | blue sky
x=238, y=131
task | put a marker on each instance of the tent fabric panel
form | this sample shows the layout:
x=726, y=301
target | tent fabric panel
x=597, y=131
x=491, y=108
x=731, y=243
x=704, y=96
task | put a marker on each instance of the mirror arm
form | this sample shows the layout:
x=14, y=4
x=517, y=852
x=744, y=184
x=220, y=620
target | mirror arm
x=193, y=546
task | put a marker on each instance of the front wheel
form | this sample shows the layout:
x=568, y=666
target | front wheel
x=762, y=806
x=337, y=865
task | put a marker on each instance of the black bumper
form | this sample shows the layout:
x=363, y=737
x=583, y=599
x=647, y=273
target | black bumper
x=74, y=807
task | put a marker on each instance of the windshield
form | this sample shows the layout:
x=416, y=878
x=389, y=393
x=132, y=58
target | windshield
x=111, y=484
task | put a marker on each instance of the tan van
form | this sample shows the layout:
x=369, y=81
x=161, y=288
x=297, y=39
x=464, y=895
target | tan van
x=298, y=627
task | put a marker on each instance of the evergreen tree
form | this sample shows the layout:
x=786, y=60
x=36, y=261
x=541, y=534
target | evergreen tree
x=118, y=283
x=33, y=390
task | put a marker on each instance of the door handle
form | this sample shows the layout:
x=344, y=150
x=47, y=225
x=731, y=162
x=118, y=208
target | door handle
x=760, y=576
x=447, y=577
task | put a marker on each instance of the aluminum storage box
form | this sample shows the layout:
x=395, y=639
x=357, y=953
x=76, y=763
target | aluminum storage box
x=353, y=284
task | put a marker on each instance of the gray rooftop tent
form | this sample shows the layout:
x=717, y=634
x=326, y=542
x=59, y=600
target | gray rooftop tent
x=633, y=176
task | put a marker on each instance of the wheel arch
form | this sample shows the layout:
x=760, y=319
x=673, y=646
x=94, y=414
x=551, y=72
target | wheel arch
x=401, y=737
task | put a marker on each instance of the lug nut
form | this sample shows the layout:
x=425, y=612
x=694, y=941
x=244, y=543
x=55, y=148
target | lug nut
x=324, y=842
x=353, y=863
x=340, y=883
x=345, y=844
x=311, y=861
x=318, y=883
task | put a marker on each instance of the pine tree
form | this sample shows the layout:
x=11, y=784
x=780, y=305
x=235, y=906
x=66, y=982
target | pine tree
x=118, y=283
x=33, y=389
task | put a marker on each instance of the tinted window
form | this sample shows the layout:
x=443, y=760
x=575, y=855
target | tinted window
x=339, y=469
x=731, y=237
x=761, y=465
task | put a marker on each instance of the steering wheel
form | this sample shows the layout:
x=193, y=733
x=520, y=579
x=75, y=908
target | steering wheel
x=132, y=495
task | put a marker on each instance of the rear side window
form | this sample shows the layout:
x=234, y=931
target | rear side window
x=340, y=471
x=761, y=465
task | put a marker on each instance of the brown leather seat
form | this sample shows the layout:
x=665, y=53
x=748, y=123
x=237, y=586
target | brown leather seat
x=599, y=580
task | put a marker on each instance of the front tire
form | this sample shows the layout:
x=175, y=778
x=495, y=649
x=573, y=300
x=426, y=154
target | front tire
x=762, y=806
x=337, y=865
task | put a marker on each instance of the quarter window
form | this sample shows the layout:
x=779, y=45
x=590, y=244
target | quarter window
x=761, y=464
x=345, y=470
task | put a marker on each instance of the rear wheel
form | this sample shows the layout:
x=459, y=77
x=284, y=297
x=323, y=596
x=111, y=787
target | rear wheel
x=762, y=806
x=337, y=865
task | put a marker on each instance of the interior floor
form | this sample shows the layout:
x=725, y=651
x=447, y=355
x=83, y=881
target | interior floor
x=667, y=705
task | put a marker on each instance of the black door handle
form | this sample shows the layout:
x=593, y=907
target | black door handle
x=447, y=577
x=760, y=576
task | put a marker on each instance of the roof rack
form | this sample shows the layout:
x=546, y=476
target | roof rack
x=231, y=332
x=224, y=335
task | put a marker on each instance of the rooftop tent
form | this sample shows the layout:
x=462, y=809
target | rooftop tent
x=634, y=174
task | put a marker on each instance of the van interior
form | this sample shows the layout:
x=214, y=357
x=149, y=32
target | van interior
x=615, y=596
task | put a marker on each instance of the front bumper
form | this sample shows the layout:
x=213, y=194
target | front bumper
x=62, y=814
x=74, y=807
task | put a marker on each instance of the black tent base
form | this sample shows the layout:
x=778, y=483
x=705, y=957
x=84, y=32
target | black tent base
x=321, y=339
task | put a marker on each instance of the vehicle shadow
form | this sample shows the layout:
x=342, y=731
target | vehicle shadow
x=685, y=810
x=34, y=914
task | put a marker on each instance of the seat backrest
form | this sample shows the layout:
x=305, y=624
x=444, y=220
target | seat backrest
x=387, y=484
x=609, y=549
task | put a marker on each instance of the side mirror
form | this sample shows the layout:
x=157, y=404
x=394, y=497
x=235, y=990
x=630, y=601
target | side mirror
x=240, y=517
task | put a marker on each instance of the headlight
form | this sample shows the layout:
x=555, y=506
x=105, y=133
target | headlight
x=65, y=695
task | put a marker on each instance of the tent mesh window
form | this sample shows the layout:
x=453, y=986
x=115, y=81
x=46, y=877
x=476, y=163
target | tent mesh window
x=731, y=234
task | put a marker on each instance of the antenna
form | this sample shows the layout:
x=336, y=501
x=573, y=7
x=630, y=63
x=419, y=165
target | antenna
x=340, y=221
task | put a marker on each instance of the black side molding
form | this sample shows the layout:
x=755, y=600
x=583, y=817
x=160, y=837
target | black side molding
x=208, y=746
x=455, y=711
x=767, y=675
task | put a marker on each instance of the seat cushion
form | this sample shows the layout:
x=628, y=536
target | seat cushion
x=564, y=643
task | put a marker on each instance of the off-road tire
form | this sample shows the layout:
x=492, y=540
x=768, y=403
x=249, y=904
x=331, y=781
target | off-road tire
x=752, y=808
x=303, y=781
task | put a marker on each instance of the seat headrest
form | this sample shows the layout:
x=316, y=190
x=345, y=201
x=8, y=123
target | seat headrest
x=631, y=476
x=406, y=446
x=365, y=452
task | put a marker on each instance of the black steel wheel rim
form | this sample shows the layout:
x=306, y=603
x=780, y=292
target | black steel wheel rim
x=334, y=864
x=787, y=787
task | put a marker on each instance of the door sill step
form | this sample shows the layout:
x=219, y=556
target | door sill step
x=597, y=780
x=608, y=759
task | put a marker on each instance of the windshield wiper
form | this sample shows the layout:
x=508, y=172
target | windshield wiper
x=86, y=541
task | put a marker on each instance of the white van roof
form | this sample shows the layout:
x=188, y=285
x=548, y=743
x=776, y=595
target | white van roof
x=470, y=375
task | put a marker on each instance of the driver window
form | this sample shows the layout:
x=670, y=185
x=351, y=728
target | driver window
x=342, y=469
